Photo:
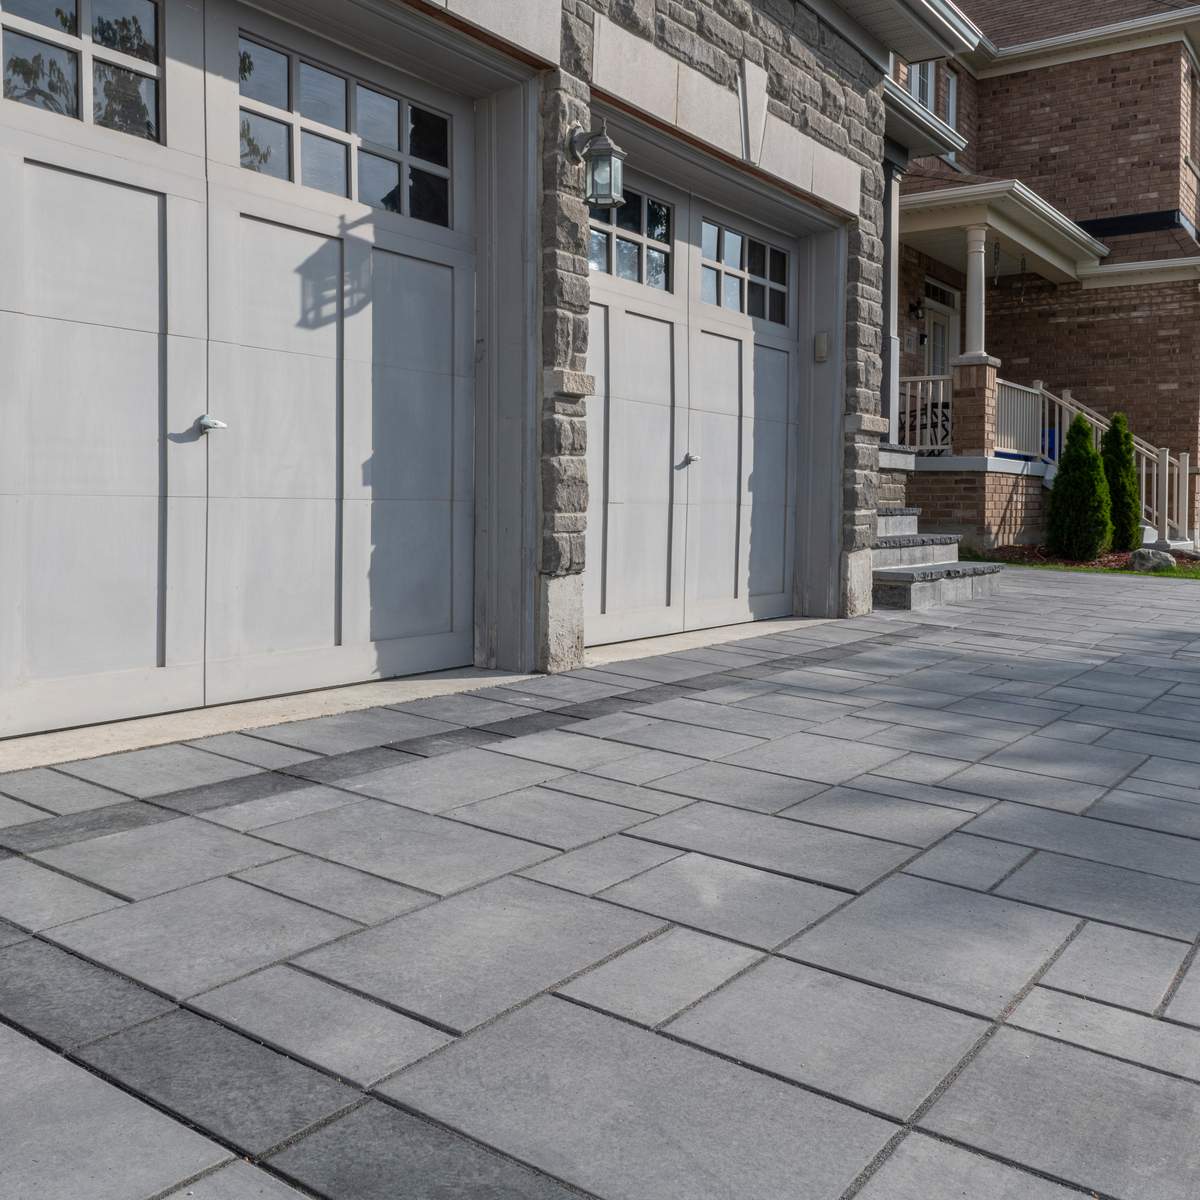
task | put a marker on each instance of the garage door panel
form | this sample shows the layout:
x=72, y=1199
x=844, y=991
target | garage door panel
x=716, y=380
x=765, y=454
x=712, y=552
x=764, y=528
x=412, y=312
x=640, y=561
x=640, y=452
x=769, y=395
x=641, y=359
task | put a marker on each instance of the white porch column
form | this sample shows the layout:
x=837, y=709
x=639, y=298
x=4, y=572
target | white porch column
x=976, y=290
x=891, y=299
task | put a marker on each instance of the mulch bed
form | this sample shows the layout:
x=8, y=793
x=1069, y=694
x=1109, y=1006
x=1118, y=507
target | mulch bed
x=1040, y=556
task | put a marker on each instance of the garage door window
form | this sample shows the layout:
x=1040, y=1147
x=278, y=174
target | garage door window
x=634, y=241
x=324, y=130
x=48, y=65
x=743, y=274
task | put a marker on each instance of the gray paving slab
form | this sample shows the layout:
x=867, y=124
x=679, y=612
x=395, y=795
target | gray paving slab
x=157, y=770
x=920, y=768
x=448, y=743
x=821, y=680
x=628, y=1114
x=559, y=748
x=691, y=740
x=740, y=787
x=1111, y=701
x=285, y=806
x=922, y=793
x=970, y=862
x=463, y=709
x=348, y=731
x=942, y=943
x=31, y=836
x=64, y=1000
x=1169, y=771
x=561, y=688
x=1025, y=787
x=887, y=817
x=13, y=812
x=948, y=720
x=615, y=791
x=922, y=1168
x=237, y=1181
x=662, y=668
x=56, y=792
x=337, y=889
x=1139, y=744
x=809, y=852
x=334, y=768
x=193, y=801
x=1165, y=815
x=1121, y=682
x=1082, y=837
x=1152, y=787
x=1032, y=711
x=159, y=858
x=593, y=868
x=1154, y=724
x=36, y=898
x=727, y=899
x=1100, y=764
x=850, y=729
x=438, y=784
x=648, y=767
x=727, y=717
x=1073, y=731
x=527, y=699
x=191, y=940
x=1185, y=1004
x=469, y=958
x=10, y=934
x=1076, y=1116
x=366, y=1154
x=833, y=1034
x=72, y=1136
x=820, y=759
x=936, y=743
x=550, y=818
x=797, y=707
x=247, y=748
x=657, y=979
x=320, y=1024
x=226, y=1084
x=413, y=848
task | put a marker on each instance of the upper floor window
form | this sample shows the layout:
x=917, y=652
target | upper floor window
x=952, y=104
x=633, y=242
x=108, y=76
x=920, y=82
x=329, y=131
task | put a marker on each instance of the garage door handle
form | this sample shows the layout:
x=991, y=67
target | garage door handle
x=209, y=423
x=690, y=458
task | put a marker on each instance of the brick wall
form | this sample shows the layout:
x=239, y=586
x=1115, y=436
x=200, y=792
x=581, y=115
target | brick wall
x=967, y=121
x=988, y=508
x=914, y=268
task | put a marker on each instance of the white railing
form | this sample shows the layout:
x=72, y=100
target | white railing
x=1034, y=422
x=926, y=413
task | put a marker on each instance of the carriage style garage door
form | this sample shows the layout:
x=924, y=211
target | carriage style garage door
x=692, y=431
x=307, y=280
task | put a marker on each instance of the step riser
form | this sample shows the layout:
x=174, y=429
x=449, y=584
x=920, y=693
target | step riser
x=897, y=526
x=913, y=556
x=913, y=596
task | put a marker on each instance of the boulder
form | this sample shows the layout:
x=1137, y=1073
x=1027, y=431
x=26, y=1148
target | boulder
x=1151, y=560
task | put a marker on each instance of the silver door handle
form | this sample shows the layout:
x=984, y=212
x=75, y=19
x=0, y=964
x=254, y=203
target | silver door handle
x=690, y=458
x=208, y=424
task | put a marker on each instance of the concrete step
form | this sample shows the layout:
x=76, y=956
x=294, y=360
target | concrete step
x=915, y=549
x=934, y=584
x=896, y=522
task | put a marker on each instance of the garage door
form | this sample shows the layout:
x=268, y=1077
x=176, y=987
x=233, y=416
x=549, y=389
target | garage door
x=308, y=284
x=692, y=431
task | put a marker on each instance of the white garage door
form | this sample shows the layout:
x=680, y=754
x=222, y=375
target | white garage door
x=692, y=431
x=309, y=282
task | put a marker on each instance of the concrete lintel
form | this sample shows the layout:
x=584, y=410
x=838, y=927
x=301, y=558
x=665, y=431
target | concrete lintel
x=980, y=463
x=975, y=360
x=574, y=384
x=866, y=423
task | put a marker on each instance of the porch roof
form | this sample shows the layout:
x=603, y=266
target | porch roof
x=936, y=212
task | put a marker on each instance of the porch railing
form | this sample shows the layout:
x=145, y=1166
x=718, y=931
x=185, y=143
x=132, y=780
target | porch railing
x=926, y=413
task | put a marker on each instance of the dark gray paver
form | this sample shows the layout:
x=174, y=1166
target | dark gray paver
x=922, y=1168
x=71, y=1136
x=335, y=767
x=160, y=858
x=321, y=1024
x=1112, y=894
x=237, y=1181
x=1076, y=1116
x=159, y=769
x=29, y=837
x=35, y=897
x=943, y=943
x=593, y=868
x=533, y=722
x=337, y=889
x=552, y=818
x=1149, y=812
x=218, y=1080
x=189, y=941
x=349, y=731
x=629, y=1114
x=463, y=709
x=56, y=792
x=889, y=817
x=212, y=796
x=469, y=958
x=971, y=862
x=448, y=743
x=654, y=981
x=821, y=759
x=1118, y=966
x=410, y=847
x=1185, y=1004
x=833, y=1034
x=740, y=787
x=1065, y=760
x=616, y=791
x=367, y=1153
x=247, y=748
x=804, y=851
x=728, y=899
x=1001, y=783
x=285, y=806
x=64, y=1000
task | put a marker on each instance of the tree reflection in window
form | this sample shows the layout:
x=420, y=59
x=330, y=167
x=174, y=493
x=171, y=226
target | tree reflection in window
x=265, y=145
x=125, y=101
x=130, y=26
x=41, y=75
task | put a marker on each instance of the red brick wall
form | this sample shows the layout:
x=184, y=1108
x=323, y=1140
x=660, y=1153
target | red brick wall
x=914, y=267
x=988, y=508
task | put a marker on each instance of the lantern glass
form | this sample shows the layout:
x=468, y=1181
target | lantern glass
x=617, y=170
x=599, y=172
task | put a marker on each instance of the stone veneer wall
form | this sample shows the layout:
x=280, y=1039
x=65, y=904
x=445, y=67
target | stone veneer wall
x=893, y=489
x=988, y=508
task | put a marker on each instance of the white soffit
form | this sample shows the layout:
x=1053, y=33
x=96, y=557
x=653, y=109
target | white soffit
x=914, y=29
x=913, y=126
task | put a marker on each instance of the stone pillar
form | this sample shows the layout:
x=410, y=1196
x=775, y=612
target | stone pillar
x=974, y=405
x=976, y=290
x=890, y=398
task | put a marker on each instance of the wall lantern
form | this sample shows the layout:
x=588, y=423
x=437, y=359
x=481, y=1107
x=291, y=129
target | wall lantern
x=917, y=311
x=605, y=165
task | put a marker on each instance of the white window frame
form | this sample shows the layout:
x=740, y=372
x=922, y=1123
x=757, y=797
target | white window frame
x=952, y=106
x=742, y=273
x=921, y=77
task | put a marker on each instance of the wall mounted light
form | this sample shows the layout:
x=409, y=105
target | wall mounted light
x=605, y=165
x=917, y=311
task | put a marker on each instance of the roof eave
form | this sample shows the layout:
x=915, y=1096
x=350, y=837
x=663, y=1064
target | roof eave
x=914, y=29
x=914, y=127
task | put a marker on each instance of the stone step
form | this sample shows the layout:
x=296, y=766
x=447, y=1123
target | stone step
x=896, y=522
x=915, y=549
x=933, y=585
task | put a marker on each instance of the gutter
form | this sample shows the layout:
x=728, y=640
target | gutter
x=915, y=127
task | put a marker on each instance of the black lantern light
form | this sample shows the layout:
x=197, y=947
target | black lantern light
x=605, y=165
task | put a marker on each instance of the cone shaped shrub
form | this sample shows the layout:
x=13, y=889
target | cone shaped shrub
x=1079, y=521
x=1116, y=448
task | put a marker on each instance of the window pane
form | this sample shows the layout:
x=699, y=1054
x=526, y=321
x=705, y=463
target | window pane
x=263, y=74
x=708, y=240
x=322, y=163
x=266, y=146
x=428, y=136
x=627, y=260
x=322, y=96
x=598, y=251
x=658, y=221
x=756, y=258
x=779, y=307
x=603, y=215
x=709, y=281
x=40, y=74
x=124, y=100
x=756, y=299
x=732, y=249
x=629, y=215
x=658, y=270
x=778, y=266
x=61, y=16
x=128, y=25
x=731, y=294
x=379, y=182
x=378, y=118
x=428, y=197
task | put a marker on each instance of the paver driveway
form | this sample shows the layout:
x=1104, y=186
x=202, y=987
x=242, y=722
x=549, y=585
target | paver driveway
x=903, y=908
